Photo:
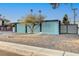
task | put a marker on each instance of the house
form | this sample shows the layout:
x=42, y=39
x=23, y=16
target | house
x=47, y=27
x=5, y=25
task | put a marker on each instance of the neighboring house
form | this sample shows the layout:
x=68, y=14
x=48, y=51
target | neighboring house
x=1, y=22
x=4, y=25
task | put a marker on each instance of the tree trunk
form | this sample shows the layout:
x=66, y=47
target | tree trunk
x=32, y=28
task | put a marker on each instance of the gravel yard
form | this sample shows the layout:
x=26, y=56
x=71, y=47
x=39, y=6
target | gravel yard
x=67, y=42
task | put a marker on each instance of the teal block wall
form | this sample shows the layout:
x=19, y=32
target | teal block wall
x=50, y=27
x=21, y=28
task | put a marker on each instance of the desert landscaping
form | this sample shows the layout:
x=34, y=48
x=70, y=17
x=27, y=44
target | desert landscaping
x=66, y=42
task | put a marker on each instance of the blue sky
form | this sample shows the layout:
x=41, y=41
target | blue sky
x=15, y=11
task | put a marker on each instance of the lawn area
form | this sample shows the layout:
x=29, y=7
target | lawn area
x=67, y=42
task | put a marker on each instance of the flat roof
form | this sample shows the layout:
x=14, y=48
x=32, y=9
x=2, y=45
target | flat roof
x=51, y=20
x=44, y=21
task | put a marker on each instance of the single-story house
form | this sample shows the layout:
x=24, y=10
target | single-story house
x=48, y=27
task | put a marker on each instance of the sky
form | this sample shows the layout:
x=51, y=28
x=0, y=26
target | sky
x=15, y=11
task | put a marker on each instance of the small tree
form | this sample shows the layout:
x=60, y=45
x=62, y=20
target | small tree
x=31, y=21
x=65, y=20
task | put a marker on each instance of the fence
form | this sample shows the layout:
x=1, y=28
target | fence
x=69, y=29
x=3, y=28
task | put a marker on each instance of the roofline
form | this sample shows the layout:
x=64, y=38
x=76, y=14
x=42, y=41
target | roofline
x=44, y=21
x=15, y=23
x=51, y=20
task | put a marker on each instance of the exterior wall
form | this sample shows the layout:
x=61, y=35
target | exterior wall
x=47, y=27
x=5, y=22
x=20, y=28
x=50, y=27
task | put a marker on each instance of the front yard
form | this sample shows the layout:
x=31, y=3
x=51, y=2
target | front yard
x=66, y=42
